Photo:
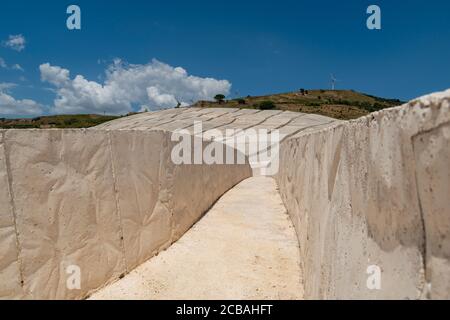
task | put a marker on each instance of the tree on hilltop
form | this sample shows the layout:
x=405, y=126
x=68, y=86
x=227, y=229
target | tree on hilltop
x=219, y=98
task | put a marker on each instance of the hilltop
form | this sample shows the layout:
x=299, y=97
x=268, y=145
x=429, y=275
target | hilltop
x=57, y=121
x=339, y=104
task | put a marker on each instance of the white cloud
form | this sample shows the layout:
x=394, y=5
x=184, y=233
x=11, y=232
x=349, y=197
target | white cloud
x=15, y=42
x=4, y=65
x=5, y=86
x=17, y=67
x=11, y=106
x=161, y=99
x=156, y=85
x=54, y=74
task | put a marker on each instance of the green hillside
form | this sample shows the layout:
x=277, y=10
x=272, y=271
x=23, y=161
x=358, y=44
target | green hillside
x=339, y=104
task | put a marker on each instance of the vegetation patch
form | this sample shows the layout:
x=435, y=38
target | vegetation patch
x=59, y=121
x=266, y=105
x=339, y=104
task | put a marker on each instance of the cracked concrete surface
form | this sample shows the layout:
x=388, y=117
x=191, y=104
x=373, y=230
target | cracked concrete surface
x=245, y=247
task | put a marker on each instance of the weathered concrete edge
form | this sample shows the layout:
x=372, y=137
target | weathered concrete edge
x=223, y=180
x=353, y=193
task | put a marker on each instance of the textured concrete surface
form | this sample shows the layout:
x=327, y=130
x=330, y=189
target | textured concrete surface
x=221, y=119
x=109, y=198
x=373, y=191
x=100, y=200
x=245, y=247
x=63, y=201
x=10, y=277
x=246, y=124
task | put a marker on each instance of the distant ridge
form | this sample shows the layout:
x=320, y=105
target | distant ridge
x=57, y=121
x=339, y=104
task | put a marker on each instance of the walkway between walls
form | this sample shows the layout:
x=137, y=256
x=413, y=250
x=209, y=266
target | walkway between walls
x=245, y=247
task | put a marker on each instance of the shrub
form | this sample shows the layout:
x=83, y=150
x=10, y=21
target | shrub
x=266, y=105
x=68, y=122
x=240, y=101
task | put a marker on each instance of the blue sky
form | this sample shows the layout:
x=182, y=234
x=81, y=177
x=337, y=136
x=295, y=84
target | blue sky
x=259, y=47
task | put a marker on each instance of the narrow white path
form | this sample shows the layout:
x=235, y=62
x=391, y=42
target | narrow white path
x=245, y=247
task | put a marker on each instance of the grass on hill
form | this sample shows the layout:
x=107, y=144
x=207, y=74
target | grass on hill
x=339, y=104
x=58, y=121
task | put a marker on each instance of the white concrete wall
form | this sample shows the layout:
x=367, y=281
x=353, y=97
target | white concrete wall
x=105, y=201
x=373, y=191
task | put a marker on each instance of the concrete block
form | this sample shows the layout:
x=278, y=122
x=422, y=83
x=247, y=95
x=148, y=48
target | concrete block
x=66, y=211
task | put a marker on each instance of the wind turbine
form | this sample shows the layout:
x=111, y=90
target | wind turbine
x=333, y=82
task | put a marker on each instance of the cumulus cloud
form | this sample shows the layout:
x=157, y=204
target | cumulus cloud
x=15, y=42
x=154, y=85
x=3, y=63
x=54, y=74
x=11, y=106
